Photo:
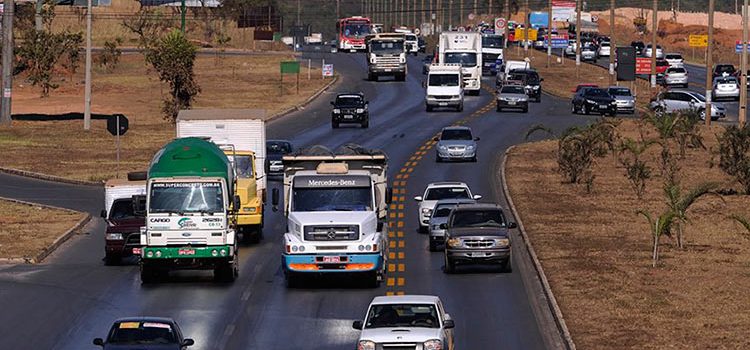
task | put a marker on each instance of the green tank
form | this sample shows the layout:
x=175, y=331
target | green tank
x=191, y=156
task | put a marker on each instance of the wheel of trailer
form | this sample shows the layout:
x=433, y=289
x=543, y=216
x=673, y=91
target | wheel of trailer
x=112, y=259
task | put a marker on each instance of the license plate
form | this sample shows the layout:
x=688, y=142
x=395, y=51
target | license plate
x=331, y=259
x=353, y=50
x=388, y=69
x=511, y=103
x=186, y=252
x=137, y=251
x=443, y=103
x=603, y=106
x=348, y=117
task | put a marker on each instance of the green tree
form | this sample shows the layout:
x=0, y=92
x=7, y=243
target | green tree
x=637, y=171
x=41, y=51
x=659, y=226
x=173, y=57
x=679, y=203
x=149, y=24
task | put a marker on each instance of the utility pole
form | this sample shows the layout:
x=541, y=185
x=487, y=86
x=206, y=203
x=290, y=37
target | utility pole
x=422, y=17
x=654, y=27
x=299, y=9
x=507, y=19
x=87, y=86
x=612, y=46
x=710, y=64
x=183, y=11
x=526, y=29
x=450, y=14
x=578, y=38
x=549, y=35
x=743, y=67
x=338, y=9
x=8, y=9
x=461, y=11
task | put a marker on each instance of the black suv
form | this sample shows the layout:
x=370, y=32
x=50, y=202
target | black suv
x=477, y=233
x=350, y=108
x=530, y=80
x=594, y=100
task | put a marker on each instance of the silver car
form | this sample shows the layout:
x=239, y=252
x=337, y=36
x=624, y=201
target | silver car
x=456, y=143
x=440, y=216
x=512, y=97
x=726, y=87
x=588, y=53
x=624, y=99
x=676, y=76
x=684, y=100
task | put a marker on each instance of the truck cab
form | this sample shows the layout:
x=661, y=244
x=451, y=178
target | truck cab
x=386, y=55
x=444, y=87
x=492, y=53
x=124, y=201
x=336, y=205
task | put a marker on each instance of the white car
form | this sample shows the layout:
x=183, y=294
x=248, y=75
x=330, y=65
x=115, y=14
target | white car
x=674, y=59
x=570, y=50
x=726, y=87
x=406, y=322
x=604, y=49
x=647, y=52
x=676, y=76
x=437, y=191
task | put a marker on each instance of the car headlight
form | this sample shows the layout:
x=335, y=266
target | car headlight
x=426, y=211
x=469, y=147
x=360, y=110
x=336, y=111
x=435, y=227
x=456, y=96
x=536, y=87
x=249, y=209
x=591, y=101
x=454, y=242
x=441, y=147
x=433, y=344
x=114, y=236
x=502, y=242
x=613, y=103
x=366, y=345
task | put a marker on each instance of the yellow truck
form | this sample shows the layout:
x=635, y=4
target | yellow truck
x=241, y=133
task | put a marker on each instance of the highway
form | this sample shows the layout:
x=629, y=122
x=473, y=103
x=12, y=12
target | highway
x=71, y=298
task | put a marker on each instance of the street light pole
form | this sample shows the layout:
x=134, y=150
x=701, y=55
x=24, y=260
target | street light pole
x=654, y=27
x=709, y=62
x=743, y=67
x=612, y=47
x=8, y=10
x=87, y=83
x=549, y=34
x=578, y=37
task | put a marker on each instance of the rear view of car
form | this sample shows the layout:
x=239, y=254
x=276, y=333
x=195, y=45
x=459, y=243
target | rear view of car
x=676, y=76
x=726, y=88
x=674, y=59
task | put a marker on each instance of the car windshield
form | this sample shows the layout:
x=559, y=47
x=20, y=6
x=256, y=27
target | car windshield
x=332, y=199
x=512, y=89
x=344, y=101
x=127, y=333
x=673, y=57
x=726, y=81
x=402, y=315
x=444, y=79
x=466, y=59
x=356, y=30
x=278, y=147
x=492, y=41
x=121, y=209
x=436, y=194
x=244, y=166
x=478, y=218
x=456, y=134
x=596, y=92
x=619, y=92
x=724, y=69
x=186, y=197
x=387, y=47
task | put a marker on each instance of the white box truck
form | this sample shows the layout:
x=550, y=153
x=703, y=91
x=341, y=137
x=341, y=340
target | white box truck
x=464, y=48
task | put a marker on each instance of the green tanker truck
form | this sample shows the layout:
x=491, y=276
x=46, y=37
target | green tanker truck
x=191, y=215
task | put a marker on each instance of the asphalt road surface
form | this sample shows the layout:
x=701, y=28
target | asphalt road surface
x=72, y=297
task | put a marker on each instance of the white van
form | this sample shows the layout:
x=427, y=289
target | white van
x=444, y=87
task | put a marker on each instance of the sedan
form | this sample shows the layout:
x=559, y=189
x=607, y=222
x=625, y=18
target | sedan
x=456, y=143
x=145, y=333
x=594, y=100
x=674, y=59
x=588, y=53
x=676, y=76
x=624, y=99
x=512, y=97
x=726, y=87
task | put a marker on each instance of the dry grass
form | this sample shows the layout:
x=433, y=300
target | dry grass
x=62, y=148
x=27, y=230
x=595, y=251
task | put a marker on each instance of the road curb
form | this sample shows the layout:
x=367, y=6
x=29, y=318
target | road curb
x=549, y=297
x=56, y=243
x=306, y=102
x=46, y=177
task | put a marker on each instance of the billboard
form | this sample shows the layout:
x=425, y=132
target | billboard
x=562, y=10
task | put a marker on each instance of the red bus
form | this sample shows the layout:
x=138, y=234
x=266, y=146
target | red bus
x=352, y=32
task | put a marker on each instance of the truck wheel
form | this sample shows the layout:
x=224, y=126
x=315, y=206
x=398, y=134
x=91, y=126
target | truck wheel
x=148, y=274
x=372, y=77
x=539, y=98
x=526, y=109
x=112, y=259
x=498, y=108
x=460, y=107
x=226, y=272
x=292, y=280
x=371, y=280
x=402, y=77
x=507, y=266
x=450, y=265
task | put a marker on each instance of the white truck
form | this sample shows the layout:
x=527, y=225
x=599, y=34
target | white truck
x=241, y=133
x=336, y=209
x=464, y=48
x=492, y=53
x=386, y=55
x=444, y=87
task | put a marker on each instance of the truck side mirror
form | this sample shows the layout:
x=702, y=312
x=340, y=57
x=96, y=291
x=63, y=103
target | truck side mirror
x=424, y=84
x=512, y=224
x=388, y=195
x=236, y=203
x=357, y=324
x=448, y=324
x=99, y=342
x=188, y=342
x=103, y=214
x=418, y=198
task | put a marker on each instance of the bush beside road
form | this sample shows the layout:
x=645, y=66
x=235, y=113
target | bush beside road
x=596, y=251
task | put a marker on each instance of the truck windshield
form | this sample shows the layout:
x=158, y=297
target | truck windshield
x=478, y=218
x=186, y=197
x=387, y=47
x=244, y=166
x=121, y=209
x=492, y=41
x=466, y=59
x=444, y=79
x=332, y=199
x=402, y=315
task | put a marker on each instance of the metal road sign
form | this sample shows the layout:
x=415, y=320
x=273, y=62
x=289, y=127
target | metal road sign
x=557, y=43
x=698, y=40
x=738, y=47
x=328, y=70
x=500, y=24
x=642, y=65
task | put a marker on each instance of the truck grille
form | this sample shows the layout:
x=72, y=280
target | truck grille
x=479, y=243
x=441, y=97
x=387, y=61
x=332, y=233
x=186, y=241
x=399, y=346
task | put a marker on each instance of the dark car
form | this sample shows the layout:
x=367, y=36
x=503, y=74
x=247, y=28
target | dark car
x=144, y=333
x=594, y=100
x=422, y=44
x=724, y=70
x=639, y=47
x=350, y=108
x=477, y=233
x=530, y=80
x=275, y=151
x=426, y=62
x=122, y=237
